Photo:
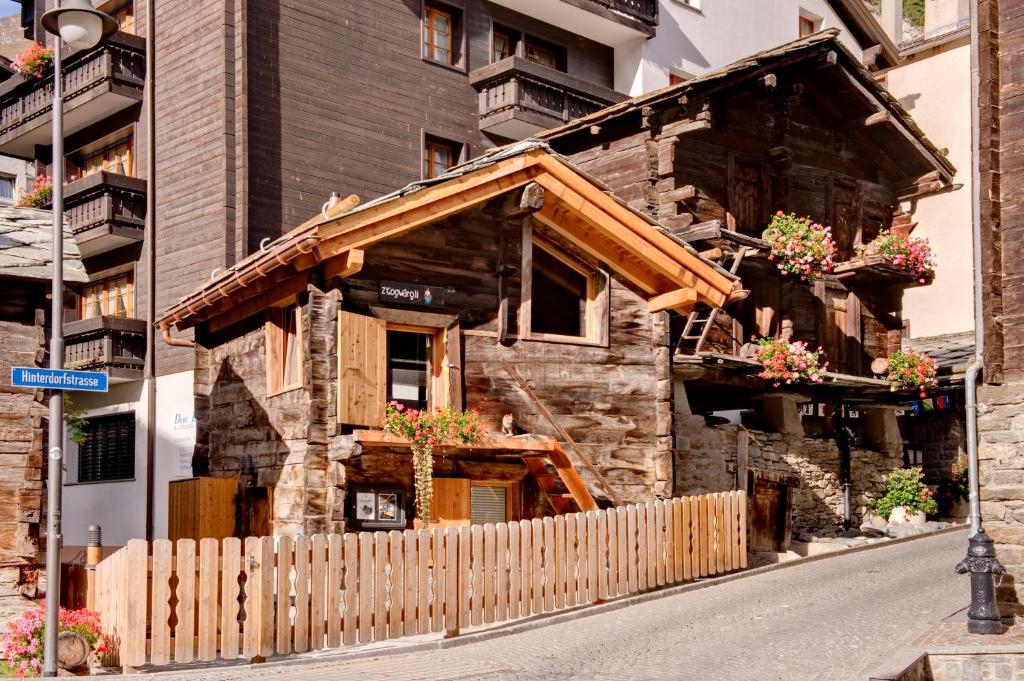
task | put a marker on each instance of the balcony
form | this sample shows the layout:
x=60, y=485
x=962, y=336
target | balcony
x=519, y=98
x=97, y=83
x=106, y=211
x=116, y=345
x=615, y=23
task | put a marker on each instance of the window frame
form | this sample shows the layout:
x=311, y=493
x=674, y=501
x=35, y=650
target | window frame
x=75, y=161
x=13, y=179
x=512, y=490
x=598, y=287
x=438, y=393
x=275, y=335
x=510, y=43
x=107, y=416
x=457, y=149
x=456, y=35
x=103, y=284
x=559, y=54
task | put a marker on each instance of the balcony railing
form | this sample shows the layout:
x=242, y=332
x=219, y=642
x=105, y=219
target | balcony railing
x=114, y=344
x=519, y=98
x=97, y=83
x=106, y=211
x=644, y=10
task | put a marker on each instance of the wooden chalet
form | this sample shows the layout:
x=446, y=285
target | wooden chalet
x=513, y=284
x=802, y=128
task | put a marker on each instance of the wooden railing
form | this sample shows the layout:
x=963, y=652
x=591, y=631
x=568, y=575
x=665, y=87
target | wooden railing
x=517, y=84
x=117, y=344
x=120, y=59
x=644, y=10
x=106, y=198
x=265, y=596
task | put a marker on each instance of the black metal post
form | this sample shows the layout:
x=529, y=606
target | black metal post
x=845, y=463
x=983, y=615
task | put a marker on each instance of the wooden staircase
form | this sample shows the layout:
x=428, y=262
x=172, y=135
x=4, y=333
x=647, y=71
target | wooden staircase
x=700, y=321
x=560, y=482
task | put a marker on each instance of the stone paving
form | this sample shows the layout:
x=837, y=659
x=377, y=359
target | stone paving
x=829, y=620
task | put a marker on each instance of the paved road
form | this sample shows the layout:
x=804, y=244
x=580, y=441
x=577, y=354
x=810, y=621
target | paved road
x=830, y=620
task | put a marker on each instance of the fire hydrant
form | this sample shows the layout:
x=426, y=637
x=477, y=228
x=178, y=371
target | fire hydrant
x=983, y=615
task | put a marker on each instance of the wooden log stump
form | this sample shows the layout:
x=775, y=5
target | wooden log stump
x=72, y=651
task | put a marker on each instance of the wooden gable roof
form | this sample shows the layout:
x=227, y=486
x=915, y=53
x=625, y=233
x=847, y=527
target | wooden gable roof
x=668, y=271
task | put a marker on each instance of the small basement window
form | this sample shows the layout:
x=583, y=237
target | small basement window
x=409, y=368
x=490, y=502
x=563, y=298
x=284, y=349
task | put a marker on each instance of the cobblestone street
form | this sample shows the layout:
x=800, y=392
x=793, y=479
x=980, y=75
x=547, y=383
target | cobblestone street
x=828, y=620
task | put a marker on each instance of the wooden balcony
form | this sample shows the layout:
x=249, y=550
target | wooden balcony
x=519, y=98
x=97, y=83
x=609, y=22
x=644, y=11
x=106, y=211
x=116, y=345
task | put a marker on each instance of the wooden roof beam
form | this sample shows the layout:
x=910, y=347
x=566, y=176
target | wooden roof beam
x=682, y=301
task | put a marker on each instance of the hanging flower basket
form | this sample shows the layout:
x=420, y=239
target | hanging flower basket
x=425, y=430
x=912, y=254
x=788, y=362
x=910, y=369
x=800, y=246
x=35, y=61
x=39, y=194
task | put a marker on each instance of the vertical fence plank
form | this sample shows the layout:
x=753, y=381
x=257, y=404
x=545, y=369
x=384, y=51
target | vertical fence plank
x=439, y=569
x=593, y=564
x=548, y=558
x=231, y=568
x=743, y=529
x=160, y=629
x=380, y=583
x=526, y=567
x=560, y=561
x=411, y=559
x=285, y=558
x=365, y=588
x=632, y=546
x=686, y=538
x=490, y=576
x=622, y=551
x=352, y=600
x=454, y=579
x=396, y=583
x=670, y=542
x=734, y=520
x=720, y=532
x=612, y=549
x=602, y=555
x=134, y=637
x=476, y=554
x=694, y=536
x=209, y=551
x=464, y=576
x=652, y=544
x=515, y=574
x=727, y=530
x=184, y=631
x=571, y=559
x=678, y=534
x=501, y=569
x=702, y=525
x=660, y=543
x=335, y=572
x=582, y=558
x=250, y=606
x=317, y=591
x=537, y=566
x=641, y=547
x=266, y=591
x=423, y=573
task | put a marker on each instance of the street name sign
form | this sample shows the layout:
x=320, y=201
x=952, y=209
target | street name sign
x=58, y=379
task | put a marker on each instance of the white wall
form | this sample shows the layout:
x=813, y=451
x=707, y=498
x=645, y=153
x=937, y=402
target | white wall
x=119, y=508
x=935, y=88
x=693, y=41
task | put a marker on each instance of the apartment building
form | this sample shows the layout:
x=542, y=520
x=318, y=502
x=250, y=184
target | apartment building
x=261, y=107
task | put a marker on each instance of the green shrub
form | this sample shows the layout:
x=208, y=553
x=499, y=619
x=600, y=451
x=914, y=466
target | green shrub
x=903, y=487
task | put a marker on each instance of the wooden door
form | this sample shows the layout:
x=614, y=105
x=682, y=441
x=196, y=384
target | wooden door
x=451, y=505
x=845, y=218
x=747, y=195
x=771, y=504
x=362, y=369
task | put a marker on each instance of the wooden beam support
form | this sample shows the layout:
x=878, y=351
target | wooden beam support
x=259, y=302
x=682, y=301
x=344, y=265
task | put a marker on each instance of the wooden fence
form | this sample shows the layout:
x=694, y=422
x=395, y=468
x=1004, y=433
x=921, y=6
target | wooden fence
x=167, y=603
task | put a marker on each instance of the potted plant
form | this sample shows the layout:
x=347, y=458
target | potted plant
x=788, y=362
x=910, y=369
x=800, y=246
x=35, y=61
x=953, y=491
x=425, y=430
x=904, y=488
x=912, y=254
x=21, y=645
x=39, y=194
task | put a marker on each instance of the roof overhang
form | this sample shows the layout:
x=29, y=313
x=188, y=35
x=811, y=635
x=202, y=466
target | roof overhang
x=666, y=271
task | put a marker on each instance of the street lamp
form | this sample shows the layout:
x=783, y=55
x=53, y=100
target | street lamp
x=81, y=26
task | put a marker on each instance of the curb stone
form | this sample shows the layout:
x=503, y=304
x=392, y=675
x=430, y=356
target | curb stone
x=438, y=642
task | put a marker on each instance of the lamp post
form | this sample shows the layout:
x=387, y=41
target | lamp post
x=81, y=26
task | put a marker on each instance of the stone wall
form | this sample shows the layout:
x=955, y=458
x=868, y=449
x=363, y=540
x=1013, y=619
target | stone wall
x=706, y=460
x=1001, y=455
x=942, y=437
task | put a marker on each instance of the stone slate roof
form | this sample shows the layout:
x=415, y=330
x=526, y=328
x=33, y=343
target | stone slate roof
x=25, y=247
x=952, y=351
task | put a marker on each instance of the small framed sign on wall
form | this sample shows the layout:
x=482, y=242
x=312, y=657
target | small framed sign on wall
x=411, y=294
x=373, y=508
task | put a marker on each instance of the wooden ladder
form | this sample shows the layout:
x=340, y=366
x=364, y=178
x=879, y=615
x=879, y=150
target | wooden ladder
x=555, y=468
x=700, y=321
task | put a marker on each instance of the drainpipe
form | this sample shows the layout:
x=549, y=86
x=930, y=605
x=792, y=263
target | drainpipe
x=845, y=464
x=150, y=237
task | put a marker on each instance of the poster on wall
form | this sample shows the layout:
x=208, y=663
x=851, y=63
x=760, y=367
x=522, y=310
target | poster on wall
x=365, y=506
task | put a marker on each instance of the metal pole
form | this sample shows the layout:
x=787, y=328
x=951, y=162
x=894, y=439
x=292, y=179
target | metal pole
x=150, y=239
x=54, y=480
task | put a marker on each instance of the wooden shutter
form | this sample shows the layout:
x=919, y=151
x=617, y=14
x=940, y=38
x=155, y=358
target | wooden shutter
x=489, y=504
x=453, y=360
x=450, y=506
x=362, y=369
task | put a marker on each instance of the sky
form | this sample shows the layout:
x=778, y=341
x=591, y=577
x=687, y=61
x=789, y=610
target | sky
x=7, y=8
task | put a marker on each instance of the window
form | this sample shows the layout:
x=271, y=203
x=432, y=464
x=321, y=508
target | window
x=501, y=45
x=438, y=156
x=438, y=35
x=284, y=349
x=807, y=25
x=409, y=368
x=113, y=297
x=125, y=18
x=7, y=187
x=562, y=298
x=108, y=452
x=544, y=53
x=113, y=154
x=676, y=79
x=489, y=502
